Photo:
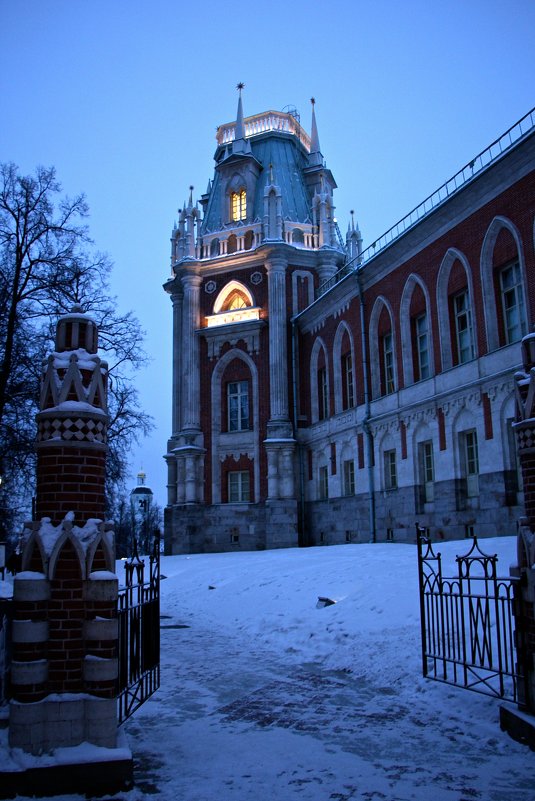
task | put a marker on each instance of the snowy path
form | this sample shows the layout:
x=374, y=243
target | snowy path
x=239, y=720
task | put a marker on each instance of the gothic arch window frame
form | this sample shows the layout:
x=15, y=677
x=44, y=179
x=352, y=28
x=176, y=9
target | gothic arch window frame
x=414, y=280
x=319, y=345
x=443, y=312
x=227, y=291
x=490, y=300
x=236, y=190
x=251, y=435
x=337, y=367
x=373, y=339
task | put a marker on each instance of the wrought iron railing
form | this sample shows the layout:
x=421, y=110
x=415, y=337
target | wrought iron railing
x=467, y=622
x=479, y=163
x=139, y=632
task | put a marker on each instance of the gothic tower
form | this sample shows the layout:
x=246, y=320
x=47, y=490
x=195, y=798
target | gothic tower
x=245, y=259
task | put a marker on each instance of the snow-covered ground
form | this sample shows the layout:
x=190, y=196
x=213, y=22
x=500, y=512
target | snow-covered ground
x=267, y=697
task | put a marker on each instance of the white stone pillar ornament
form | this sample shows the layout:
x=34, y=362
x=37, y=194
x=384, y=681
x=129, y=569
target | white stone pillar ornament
x=191, y=282
x=278, y=359
x=176, y=299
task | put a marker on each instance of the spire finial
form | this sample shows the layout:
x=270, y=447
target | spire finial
x=240, y=86
x=352, y=212
x=191, y=196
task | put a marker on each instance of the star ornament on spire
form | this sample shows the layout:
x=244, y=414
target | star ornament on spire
x=240, y=86
x=313, y=101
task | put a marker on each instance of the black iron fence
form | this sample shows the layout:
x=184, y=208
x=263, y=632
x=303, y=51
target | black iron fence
x=139, y=632
x=467, y=622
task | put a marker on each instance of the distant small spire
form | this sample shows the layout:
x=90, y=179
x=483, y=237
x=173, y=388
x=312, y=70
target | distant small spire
x=240, y=128
x=191, y=196
x=314, y=138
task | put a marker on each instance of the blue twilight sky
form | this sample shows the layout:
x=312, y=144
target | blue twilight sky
x=123, y=97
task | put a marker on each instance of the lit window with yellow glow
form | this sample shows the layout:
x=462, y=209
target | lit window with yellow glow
x=235, y=301
x=238, y=205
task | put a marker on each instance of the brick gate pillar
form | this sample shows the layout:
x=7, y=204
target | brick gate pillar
x=65, y=627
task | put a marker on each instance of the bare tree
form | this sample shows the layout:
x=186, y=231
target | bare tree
x=47, y=264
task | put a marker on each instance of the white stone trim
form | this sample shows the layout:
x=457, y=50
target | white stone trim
x=35, y=672
x=27, y=631
x=98, y=669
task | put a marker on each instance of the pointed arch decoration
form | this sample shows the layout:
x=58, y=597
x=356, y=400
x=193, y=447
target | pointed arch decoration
x=373, y=338
x=342, y=329
x=318, y=347
x=487, y=275
x=249, y=438
x=443, y=309
x=411, y=283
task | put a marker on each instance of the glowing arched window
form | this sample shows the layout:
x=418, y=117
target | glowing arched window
x=238, y=205
x=236, y=300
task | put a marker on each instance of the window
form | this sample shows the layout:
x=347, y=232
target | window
x=238, y=405
x=512, y=303
x=422, y=346
x=391, y=479
x=427, y=470
x=323, y=411
x=348, y=400
x=236, y=300
x=238, y=205
x=471, y=463
x=238, y=487
x=463, y=327
x=349, y=477
x=323, y=483
x=388, y=363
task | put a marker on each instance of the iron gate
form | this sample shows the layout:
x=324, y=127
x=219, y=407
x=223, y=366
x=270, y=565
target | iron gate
x=467, y=622
x=139, y=632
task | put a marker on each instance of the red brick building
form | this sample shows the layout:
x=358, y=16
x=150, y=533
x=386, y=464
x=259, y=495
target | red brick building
x=327, y=394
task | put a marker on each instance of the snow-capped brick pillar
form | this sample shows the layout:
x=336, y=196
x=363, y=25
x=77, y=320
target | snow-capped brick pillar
x=525, y=602
x=65, y=632
x=72, y=424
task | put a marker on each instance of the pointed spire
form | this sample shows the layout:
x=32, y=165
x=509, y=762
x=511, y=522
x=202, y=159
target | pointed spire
x=315, y=159
x=190, y=201
x=240, y=128
x=314, y=138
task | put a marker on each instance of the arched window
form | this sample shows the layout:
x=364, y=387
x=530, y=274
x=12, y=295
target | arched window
x=416, y=333
x=503, y=283
x=455, y=310
x=297, y=236
x=248, y=240
x=232, y=244
x=319, y=382
x=382, y=349
x=236, y=300
x=238, y=205
x=344, y=369
x=214, y=247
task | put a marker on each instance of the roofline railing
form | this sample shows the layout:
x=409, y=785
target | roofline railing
x=474, y=167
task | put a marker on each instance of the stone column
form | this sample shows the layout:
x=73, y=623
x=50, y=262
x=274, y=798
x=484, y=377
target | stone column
x=278, y=358
x=176, y=299
x=272, y=472
x=171, y=478
x=190, y=351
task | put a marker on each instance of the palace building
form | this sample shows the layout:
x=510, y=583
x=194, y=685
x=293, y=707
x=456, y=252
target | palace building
x=323, y=393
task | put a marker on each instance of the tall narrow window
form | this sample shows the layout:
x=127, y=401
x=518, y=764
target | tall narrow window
x=391, y=478
x=422, y=346
x=471, y=463
x=323, y=409
x=463, y=327
x=238, y=405
x=349, y=477
x=388, y=363
x=238, y=205
x=323, y=483
x=239, y=487
x=513, y=303
x=427, y=470
x=348, y=400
